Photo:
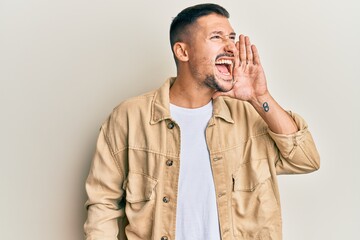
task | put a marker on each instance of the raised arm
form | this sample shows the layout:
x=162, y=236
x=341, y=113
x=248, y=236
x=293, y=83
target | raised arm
x=250, y=85
x=296, y=149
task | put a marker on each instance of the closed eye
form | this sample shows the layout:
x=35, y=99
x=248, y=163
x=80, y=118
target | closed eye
x=216, y=37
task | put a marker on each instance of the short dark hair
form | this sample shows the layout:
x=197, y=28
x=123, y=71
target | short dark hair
x=189, y=15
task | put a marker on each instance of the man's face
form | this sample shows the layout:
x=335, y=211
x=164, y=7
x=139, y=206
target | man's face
x=211, y=52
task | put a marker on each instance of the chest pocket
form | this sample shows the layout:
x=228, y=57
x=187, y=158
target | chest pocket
x=139, y=187
x=250, y=175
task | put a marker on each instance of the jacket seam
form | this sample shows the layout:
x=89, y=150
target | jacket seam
x=113, y=154
x=136, y=98
x=238, y=145
x=146, y=150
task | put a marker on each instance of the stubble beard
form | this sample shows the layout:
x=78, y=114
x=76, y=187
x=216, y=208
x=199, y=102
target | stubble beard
x=211, y=82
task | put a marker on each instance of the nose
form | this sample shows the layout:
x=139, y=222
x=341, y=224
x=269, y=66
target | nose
x=230, y=46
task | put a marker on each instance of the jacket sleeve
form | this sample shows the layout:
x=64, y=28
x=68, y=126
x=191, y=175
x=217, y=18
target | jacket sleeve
x=105, y=194
x=296, y=153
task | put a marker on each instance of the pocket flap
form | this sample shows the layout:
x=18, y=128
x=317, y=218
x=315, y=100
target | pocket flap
x=139, y=187
x=251, y=174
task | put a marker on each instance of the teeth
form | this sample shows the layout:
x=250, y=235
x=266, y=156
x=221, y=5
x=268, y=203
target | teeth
x=224, y=61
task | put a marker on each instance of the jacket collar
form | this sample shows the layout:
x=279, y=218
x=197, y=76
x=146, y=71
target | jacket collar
x=160, y=109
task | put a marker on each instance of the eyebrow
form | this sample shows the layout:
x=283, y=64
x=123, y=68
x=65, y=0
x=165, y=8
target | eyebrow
x=222, y=33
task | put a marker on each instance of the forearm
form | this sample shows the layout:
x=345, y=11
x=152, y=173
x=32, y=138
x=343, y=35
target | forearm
x=277, y=119
x=296, y=153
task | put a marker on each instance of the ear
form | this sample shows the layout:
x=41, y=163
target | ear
x=180, y=51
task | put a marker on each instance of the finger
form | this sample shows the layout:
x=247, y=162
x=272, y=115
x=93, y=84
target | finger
x=242, y=49
x=249, y=55
x=237, y=44
x=256, y=55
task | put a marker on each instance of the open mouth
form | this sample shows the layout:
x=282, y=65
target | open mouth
x=224, y=66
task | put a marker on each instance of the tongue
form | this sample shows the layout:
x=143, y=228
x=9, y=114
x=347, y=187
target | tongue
x=222, y=68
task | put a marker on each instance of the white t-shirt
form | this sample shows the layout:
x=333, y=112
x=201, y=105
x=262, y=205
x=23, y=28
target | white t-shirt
x=196, y=215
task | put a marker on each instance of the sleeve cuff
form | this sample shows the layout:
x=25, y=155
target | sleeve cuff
x=288, y=142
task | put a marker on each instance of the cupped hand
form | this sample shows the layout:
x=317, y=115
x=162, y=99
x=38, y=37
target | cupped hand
x=248, y=74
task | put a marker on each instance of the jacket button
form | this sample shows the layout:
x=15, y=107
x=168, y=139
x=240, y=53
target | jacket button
x=171, y=125
x=166, y=199
x=169, y=163
x=217, y=158
x=164, y=238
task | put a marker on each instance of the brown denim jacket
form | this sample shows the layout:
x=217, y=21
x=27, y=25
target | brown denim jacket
x=133, y=181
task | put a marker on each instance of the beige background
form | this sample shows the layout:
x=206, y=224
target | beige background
x=64, y=64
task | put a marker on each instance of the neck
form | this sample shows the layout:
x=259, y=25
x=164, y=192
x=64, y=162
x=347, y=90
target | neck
x=190, y=93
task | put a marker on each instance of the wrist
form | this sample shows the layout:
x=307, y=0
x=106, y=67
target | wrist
x=261, y=101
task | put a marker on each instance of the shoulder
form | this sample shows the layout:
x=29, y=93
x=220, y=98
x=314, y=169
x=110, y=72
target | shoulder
x=134, y=109
x=134, y=103
x=129, y=114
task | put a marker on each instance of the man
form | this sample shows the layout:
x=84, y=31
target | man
x=198, y=158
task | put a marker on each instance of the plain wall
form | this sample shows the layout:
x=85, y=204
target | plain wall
x=65, y=64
